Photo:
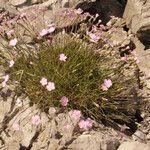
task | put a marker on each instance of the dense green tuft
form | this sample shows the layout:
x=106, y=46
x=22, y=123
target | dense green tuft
x=80, y=79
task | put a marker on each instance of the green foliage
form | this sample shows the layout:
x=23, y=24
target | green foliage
x=79, y=78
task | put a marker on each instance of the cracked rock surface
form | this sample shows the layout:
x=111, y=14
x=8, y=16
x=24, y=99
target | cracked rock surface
x=51, y=134
x=137, y=15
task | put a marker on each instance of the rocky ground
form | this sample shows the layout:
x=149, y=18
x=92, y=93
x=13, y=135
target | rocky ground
x=54, y=132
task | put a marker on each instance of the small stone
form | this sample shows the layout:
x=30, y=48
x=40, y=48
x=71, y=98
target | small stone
x=17, y=2
x=133, y=146
x=18, y=136
x=148, y=137
x=143, y=115
x=34, y=1
x=139, y=136
x=13, y=146
x=113, y=145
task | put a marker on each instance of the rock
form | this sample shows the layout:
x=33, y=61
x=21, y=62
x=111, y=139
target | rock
x=103, y=7
x=113, y=145
x=139, y=136
x=86, y=142
x=133, y=146
x=35, y=1
x=96, y=140
x=26, y=129
x=144, y=65
x=17, y=2
x=56, y=133
x=138, y=19
x=119, y=37
x=5, y=102
x=148, y=136
x=13, y=146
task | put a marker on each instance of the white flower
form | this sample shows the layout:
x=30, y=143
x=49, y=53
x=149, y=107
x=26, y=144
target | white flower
x=43, y=32
x=50, y=86
x=18, y=102
x=11, y=63
x=13, y=42
x=43, y=81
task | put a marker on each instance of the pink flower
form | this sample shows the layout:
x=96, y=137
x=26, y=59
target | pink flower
x=79, y=11
x=51, y=28
x=11, y=63
x=125, y=58
x=104, y=88
x=93, y=37
x=106, y=85
x=66, y=126
x=32, y=17
x=43, y=32
x=64, y=101
x=16, y=126
x=86, y=124
x=62, y=57
x=35, y=120
x=23, y=15
x=135, y=56
x=6, y=78
x=13, y=42
x=76, y=114
x=137, y=59
x=43, y=81
x=50, y=86
x=3, y=84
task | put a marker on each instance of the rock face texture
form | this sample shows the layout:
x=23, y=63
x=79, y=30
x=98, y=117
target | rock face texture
x=137, y=16
x=133, y=146
x=51, y=134
x=104, y=8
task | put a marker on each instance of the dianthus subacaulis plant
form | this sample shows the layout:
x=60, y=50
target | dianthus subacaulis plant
x=75, y=71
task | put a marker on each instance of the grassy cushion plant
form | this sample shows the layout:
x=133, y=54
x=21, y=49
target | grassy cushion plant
x=79, y=75
x=71, y=67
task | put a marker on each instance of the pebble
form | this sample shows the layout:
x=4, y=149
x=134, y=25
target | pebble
x=139, y=136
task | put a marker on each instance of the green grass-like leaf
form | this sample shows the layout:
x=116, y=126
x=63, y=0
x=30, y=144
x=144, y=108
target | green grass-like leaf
x=79, y=79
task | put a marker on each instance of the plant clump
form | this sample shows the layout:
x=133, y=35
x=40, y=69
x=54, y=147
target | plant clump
x=79, y=69
x=74, y=76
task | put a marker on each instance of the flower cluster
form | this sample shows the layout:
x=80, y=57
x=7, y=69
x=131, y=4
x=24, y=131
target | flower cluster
x=50, y=29
x=94, y=37
x=64, y=101
x=76, y=71
x=84, y=125
x=49, y=85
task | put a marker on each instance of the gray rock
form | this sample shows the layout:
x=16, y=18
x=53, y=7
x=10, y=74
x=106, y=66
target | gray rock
x=3, y=106
x=13, y=146
x=148, y=136
x=113, y=145
x=17, y=2
x=138, y=19
x=133, y=146
x=86, y=142
x=96, y=140
x=144, y=65
x=139, y=136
